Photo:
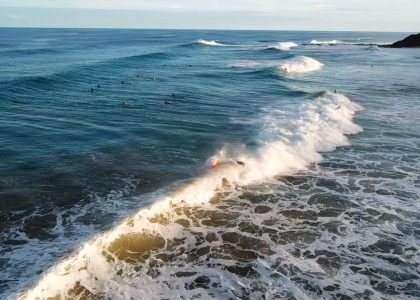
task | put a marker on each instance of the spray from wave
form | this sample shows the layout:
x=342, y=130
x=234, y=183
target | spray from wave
x=300, y=64
x=208, y=43
x=113, y=265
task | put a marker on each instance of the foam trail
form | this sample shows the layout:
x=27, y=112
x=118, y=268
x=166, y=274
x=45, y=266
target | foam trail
x=284, y=46
x=288, y=144
x=300, y=64
x=208, y=43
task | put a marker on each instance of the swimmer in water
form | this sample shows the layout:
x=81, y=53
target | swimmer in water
x=99, y=86
x=122, y=81
x=91, y=90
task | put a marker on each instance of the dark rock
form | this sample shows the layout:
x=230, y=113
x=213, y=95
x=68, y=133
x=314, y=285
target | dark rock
x=183, y=222
x=412, y=41
x=134, y=247
x=12, y=242
x=185, y=274
x=384, y=246
x=262, y=209
x=199, y=282
x=211, y=237
x=79, y=291
x=243, y=271
x=39, y=226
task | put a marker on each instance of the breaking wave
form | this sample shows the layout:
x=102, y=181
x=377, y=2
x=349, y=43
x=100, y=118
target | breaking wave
x=300, y=64
x=294, y=65
x=125, y=262
x=208, y=43
x=284, y=46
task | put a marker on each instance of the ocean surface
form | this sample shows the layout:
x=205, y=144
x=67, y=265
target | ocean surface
x=162, y=164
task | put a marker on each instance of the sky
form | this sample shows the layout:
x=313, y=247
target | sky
x=332, y=15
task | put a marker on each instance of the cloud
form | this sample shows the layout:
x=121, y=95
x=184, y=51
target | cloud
x=320, y=5
x=15, y=17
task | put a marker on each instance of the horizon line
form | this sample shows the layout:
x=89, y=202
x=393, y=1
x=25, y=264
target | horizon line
x=211, y=29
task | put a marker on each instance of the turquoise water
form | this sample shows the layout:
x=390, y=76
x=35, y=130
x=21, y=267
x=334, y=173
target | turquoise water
x=324, y=202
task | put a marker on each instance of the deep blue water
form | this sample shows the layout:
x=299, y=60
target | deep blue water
x=86, y=140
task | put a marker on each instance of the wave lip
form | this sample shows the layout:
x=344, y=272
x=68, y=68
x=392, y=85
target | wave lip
x=300, y=65
x=208, y=43
x=284, y=46
x=290, y=144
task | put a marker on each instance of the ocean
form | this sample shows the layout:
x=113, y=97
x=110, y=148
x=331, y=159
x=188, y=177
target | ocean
x=198, y=164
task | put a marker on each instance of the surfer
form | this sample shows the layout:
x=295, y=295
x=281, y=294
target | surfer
x=122, y=81
x=167, y=102
x=91, y=90
x=241, y=163
x=99, y=86
x=215, y=163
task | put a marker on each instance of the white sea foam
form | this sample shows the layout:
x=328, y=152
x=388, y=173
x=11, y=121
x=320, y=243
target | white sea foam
x=208, y=43
x=284, y=46
x=300, y=64
x=288, y=144
x=332, y=42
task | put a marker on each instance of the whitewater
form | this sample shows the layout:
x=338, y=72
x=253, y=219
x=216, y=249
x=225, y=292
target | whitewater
x=319, y=125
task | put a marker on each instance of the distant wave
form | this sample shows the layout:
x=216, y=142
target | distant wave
x=332, y=42
x=341, y=43
x=71, y=74
x=296, y=65
x=208, y=43
x=116, y=258
x=284, y=46
x=37, y=51
x=373, y=48
x=300, y=64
